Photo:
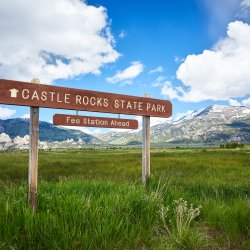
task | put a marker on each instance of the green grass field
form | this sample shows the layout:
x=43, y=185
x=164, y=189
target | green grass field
x=94, y=199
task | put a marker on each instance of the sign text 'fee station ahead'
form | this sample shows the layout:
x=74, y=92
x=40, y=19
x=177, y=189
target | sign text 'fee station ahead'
x=93, y=121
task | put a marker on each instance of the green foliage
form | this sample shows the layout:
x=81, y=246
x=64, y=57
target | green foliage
x=232, y=145
x=134, y=143
x=93, y=199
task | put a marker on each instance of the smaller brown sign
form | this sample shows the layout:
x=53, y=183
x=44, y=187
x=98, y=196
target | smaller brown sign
x=93, y=121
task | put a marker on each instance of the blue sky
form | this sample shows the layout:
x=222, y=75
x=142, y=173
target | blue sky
x=192, y=52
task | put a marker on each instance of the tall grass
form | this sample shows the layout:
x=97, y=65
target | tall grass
x=92, y=199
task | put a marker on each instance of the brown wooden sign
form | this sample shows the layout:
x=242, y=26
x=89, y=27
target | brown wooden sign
x=93, y=121
x=39, y=95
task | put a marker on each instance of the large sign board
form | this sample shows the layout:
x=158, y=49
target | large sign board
x=40, y=95
x=93, y=121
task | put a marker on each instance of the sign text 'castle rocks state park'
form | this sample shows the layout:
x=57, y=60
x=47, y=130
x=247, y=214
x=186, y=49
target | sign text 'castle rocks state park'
x=40, y=95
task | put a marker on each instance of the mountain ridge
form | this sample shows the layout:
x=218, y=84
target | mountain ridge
x=214, y=124
x=14, y=133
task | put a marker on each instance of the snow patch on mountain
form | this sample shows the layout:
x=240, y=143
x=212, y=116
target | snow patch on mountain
x=187, y=117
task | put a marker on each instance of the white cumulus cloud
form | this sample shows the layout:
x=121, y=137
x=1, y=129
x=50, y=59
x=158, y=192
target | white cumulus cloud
x=153, y=121
x=246, y=102
x=6, y=113
x=127, y=74
x=219, y=14
x=25, y=116
x=245, y=3
x=169, y=91
x=220, y=73
x=178, y=59
x=244, y=11
x=53, y=39
x=158, y=69
x=159, y=81
x=122, y=34
x=233, y=102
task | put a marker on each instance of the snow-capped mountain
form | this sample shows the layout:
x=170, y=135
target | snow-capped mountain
x=214, y=124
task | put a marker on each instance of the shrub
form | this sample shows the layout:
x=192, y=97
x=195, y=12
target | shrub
x=180, y=232
x=232, y=145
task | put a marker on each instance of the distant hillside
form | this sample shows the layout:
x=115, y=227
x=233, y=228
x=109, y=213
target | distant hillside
x=47, y=131
x=213, y=125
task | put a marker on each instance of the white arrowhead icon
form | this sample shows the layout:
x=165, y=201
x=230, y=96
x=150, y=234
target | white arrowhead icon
x=13, y=93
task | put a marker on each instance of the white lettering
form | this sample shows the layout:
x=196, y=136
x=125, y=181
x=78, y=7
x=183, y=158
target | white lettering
x=85, y=100
x=119, y=123
x=140, y=105
x=116, y=104
x=66, y=98
x=148, y=106
x=153, y=108
x=58, y=97
x=78, y=99
x=129, y=106
x=122, y=104
x=35, y=96
x=92, y=101
x=158, y=108
x=163, y=109
x=52, y=96
x=99, y=102
x=72, y=120
x=25, y=94
x=105, y=103
x=44, y=96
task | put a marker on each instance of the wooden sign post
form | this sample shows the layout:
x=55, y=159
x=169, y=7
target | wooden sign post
x=40, y=95
x=33, y=155
x=145, y=148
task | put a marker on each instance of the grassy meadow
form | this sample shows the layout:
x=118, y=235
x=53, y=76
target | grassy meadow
x=94, y=199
